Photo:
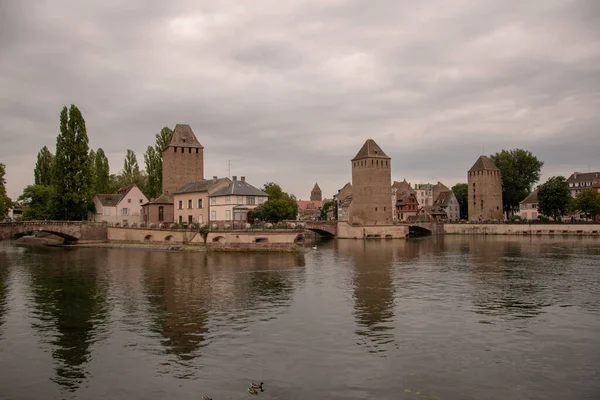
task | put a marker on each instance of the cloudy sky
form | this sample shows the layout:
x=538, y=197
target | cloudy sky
x=288, y=91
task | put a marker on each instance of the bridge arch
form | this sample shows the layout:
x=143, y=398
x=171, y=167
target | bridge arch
x=416, y=231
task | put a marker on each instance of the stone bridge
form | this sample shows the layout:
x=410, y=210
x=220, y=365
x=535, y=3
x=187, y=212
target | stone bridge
x=71, y=231
x=345, y=230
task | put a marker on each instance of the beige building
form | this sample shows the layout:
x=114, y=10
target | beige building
x=159, y=210
x=183, y=160
x=343, y=201
x=404, y=200
x=123, y=207
x=528, y=208
x=580, y=181
x=235, y=200
x=191, y=202
x=424, y=193
x=485, y=190
x=447, y=202
x=372, y=186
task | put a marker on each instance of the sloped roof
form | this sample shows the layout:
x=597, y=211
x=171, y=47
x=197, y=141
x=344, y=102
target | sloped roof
x=308, y=204
x=532, y=198
x=109, y=200
x=370, y=150
x=402, y=188
x=183, y=136
x=203, y=185
x=164, y=198
x=433, y=210
x=316, y=187
x=443, y=199
x=405, y=197
x=240, y=188
x=484, y=163
x=583, y=177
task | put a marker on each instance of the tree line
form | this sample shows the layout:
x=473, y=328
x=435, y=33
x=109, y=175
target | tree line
x=66, y=181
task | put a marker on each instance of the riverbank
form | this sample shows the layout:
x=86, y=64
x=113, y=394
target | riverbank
x=209, y=247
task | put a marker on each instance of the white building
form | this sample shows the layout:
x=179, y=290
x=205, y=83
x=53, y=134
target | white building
x=123, y=207
x=528, y=208
x=233, y=201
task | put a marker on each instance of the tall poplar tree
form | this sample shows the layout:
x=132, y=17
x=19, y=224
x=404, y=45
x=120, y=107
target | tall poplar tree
x=131, y=171
x=72, y=177
x=153, y=161
x=101, y=172
x=5, y=201
x=43, y=167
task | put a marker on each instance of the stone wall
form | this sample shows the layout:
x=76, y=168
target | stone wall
x=372, y=191
x=347, y=231
x=522, y=229
x=180, y=166
x=485, y=195
x=149, y=235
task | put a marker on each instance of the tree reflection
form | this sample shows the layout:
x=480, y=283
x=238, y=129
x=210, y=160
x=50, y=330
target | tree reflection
x=69, y=308
x=373, y=290
x=4, y=275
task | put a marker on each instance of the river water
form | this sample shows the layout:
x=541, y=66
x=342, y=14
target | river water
x=436, y=318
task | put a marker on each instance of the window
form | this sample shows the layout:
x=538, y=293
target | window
x=240, y=200
x=129, y=200
x=190, y=203
x=106, y=211
x=213, y=215
x=196, y=150
x=250, y=200
x=141, y=201
x=228, y=215
x=190, y=219
x=213, y=201
x=180, y=204
x=180, y=219
x=124, y=211
x=199, y=203
x=182, y=149
x=174, y=149
x=189, y=150
x=161, y=213
x=375, y=208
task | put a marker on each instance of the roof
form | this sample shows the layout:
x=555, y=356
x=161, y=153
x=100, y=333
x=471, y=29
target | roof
x=443, y=199
x=369, y=150
x=583, y=177
x=531, y=199
x=403, y=187
x=405, y=197
x=203, y=185
x=316, y=187
x=240, y=188
x=433, y=210
x=484, y=163
x=183, y=136
x=164, y=198
x=109, y=200
x=308, y=204
x=125, y=189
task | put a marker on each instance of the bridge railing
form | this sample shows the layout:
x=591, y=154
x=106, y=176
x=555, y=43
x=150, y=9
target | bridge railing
x=48, y=222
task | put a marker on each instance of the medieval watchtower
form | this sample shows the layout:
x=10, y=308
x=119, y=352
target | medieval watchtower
x=485, y=190
x=183, y=159
x=372, y=183
x=316, y=194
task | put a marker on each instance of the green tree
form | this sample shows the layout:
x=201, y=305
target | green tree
x=131, y=171
x=520, y=170
x=153, y=161
x=280, y=206
x=461, y=191
x=40, y=201
x=324, y=208
x=101, y=172
x=5, y=201
x=587, y=202
x=554, y=197
x=43, y=167
x=72, y=174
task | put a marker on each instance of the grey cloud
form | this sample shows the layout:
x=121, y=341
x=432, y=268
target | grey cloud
x=290, y=90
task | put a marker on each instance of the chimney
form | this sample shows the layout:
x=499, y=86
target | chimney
x=234, y=178
x=243, y=178
x=214, y=177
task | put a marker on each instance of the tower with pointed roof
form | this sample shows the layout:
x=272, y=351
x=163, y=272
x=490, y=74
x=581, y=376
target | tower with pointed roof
x=183, y=159
x=372, y=186
x=316, y=194
x=485, y=190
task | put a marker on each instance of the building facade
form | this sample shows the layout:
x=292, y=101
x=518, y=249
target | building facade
x=191, y=202
x=123, y=207
x=372, y=186
x=580, y=181
x=404, y=200
x=528, y=208
x=235, y=201
x=485, y=190
x=447, y=201
x=424, y=192
x=183, y=160
x=159, y=210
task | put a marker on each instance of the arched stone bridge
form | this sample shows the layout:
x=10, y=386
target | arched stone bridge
x=71, y=231
x=343, y=229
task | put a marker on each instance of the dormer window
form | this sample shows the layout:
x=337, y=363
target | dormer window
x=183, y=140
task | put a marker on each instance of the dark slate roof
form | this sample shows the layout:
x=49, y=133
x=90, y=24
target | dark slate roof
x=434, y=210
x=240, y=188
x=583, y=177
x=404, y=198
x=484, y=163
x=199, y=186
x=369, y=150
x=109, y=200
x=183, y=136
x=316, y=187
x=532, y=198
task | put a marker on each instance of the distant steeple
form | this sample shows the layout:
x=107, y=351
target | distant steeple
x=316, y=194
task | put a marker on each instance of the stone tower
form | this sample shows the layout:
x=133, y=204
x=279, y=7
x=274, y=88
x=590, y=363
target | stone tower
x=315, y=194
x=183, y=159
x=372, y=184
x=485, y=190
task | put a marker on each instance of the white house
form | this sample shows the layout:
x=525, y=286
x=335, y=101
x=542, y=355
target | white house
x=528, y=208
x=123, y=207
x=233, y=201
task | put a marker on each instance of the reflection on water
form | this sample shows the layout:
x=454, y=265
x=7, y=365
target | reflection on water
x=438, y=317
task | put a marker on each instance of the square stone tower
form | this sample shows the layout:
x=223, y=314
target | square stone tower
x=183, y=159
x=372, y=184
x=485, y=190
